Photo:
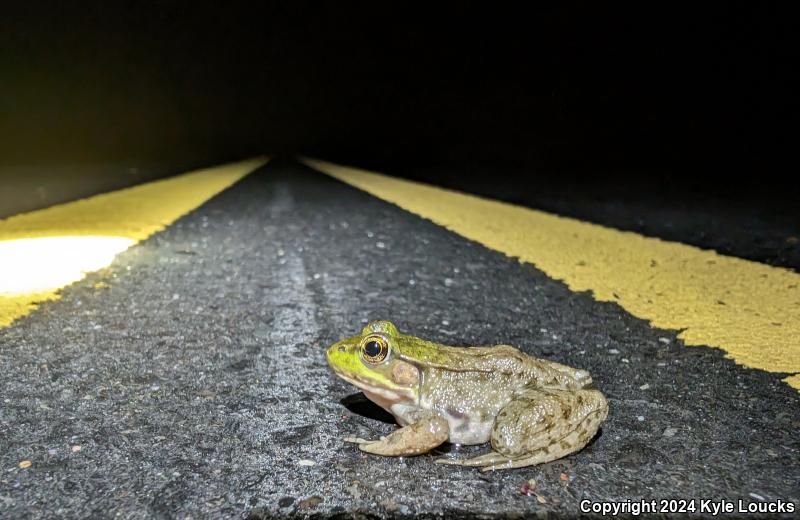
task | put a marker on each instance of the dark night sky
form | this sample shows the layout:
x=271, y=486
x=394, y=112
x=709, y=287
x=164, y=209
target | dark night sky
x=563, y=87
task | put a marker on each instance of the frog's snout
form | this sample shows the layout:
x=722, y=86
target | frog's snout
x=333, y=350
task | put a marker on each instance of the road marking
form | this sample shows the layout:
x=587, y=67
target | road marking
x=43, y=251
x=748, y=309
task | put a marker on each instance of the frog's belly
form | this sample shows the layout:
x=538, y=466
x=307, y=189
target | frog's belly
x=468, y=428
x=465, y=428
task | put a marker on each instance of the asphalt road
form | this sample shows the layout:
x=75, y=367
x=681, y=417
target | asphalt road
x=192, y=381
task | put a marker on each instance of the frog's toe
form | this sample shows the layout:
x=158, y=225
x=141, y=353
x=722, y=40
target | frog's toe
x=488, y=459
x=377, y=447
x=356, y=440
x=506, y=464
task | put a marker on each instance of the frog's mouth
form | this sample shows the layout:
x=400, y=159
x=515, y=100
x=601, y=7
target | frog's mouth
x=380, y=395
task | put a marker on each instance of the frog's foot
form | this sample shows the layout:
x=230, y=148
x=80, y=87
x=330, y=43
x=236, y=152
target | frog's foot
x=488, y=459
x=492, y=462
x=506, y=463
x=420, y=437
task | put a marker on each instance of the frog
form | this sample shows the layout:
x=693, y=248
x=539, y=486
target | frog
x=530, y=410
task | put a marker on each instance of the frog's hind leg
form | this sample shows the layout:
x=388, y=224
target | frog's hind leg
x=539, y=426
x=542, y=425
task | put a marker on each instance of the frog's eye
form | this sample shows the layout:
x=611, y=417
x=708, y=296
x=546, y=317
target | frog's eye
x=374, y=349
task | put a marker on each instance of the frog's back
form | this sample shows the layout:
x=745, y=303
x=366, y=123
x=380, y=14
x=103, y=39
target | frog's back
x=540, y=372
x=506, y=360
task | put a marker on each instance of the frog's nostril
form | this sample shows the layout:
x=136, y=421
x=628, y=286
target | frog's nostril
x=342, y=348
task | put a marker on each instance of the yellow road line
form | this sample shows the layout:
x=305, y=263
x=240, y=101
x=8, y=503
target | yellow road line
x=748, y=309
x=43, y=251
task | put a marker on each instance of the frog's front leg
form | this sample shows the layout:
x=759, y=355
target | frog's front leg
x=428, y=431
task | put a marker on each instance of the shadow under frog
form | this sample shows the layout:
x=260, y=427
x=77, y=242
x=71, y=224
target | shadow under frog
x=359, y=404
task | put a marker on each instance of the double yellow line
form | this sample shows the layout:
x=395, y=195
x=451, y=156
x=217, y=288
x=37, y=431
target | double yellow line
x=748, y=309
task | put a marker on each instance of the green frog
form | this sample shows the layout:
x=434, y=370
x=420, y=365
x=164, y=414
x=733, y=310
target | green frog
x=531, y=410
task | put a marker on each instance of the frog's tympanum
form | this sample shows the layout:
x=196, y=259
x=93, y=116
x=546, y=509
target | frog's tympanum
x=531, y=410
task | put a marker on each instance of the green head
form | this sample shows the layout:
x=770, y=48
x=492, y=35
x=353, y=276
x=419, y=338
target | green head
x=372, y=361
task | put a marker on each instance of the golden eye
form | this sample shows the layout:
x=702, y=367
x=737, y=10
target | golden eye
x=374, y=349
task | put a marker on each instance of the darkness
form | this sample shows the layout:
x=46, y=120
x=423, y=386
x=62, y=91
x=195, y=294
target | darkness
x=584, y=90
